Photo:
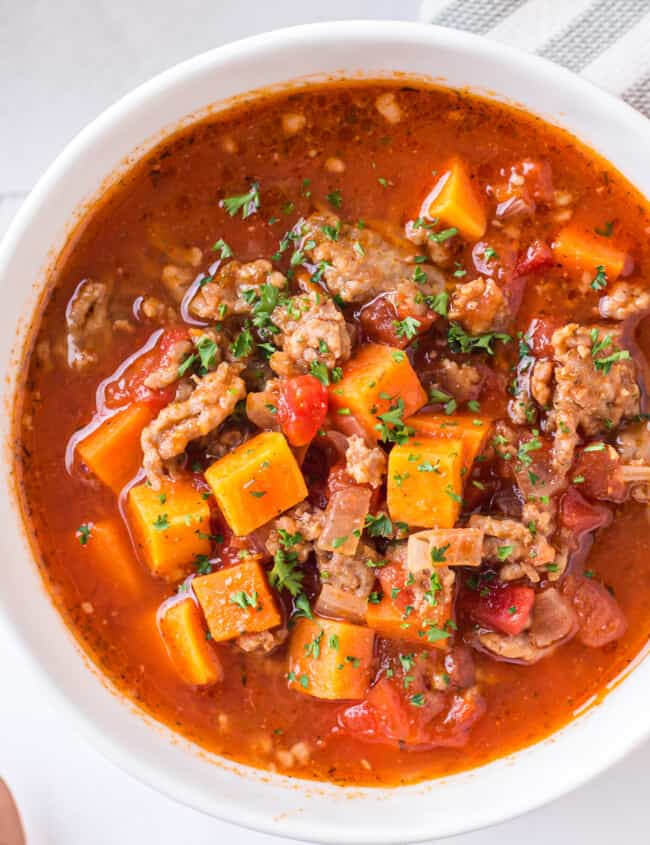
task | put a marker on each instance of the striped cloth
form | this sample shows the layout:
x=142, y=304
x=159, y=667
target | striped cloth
x=605, y=41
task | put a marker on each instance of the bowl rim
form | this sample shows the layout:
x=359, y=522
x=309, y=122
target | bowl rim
x=631, y=733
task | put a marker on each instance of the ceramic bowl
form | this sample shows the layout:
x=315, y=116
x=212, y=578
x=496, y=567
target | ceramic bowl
x=271, y=803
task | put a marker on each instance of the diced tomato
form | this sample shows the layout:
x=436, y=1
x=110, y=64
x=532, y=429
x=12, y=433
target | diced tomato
x=536, y=257
x=128, y=386
x=539, y=335
x=600, y=618
x=598, y=474
x=393, y=714
x=302, y=407
x=407, y=308
x=378, y=320
x=506, y=609
x=393, y=583
x=579, y=515
x=451, y=729
x=495, y=258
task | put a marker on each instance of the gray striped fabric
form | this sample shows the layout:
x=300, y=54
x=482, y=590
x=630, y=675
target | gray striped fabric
x=606, y=41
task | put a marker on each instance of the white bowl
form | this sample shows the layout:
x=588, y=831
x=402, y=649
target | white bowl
x=271, y=803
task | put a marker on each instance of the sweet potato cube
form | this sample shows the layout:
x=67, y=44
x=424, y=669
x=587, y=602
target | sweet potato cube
x=425, y=483
x=581, y=251
x=472, y=430
x=184, y=634
x=109, y=551
x=331, y=660
x=112, y=451
x=171, y=526
x=237, y=600
x=256, y=482
x=377, y=380
x=428, y=631
x=455, y=202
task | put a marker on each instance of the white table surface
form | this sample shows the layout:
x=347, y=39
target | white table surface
x=61, y=63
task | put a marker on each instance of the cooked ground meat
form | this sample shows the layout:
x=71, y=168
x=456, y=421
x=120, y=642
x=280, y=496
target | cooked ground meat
x=154, y=309
x=167, y=372
x=479, y=306
x=88, y=324
x=359, y=264
x=526, y=551
x=305, y=520
x=263, y=642
x=311, y=329
x=225, y=293
x=350, y=574
x=589, y=396
x=176, y=280
x=540, y=382
x=365, y=465
x=633, y=443
x=440, y=252
x=211, y=402
x=422, y=588
x=624, y=300
x=463, y=381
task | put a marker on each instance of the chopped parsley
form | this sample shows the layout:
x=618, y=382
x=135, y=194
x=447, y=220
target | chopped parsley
x=161, y=522
x=408, y=327
x=600, y=280
x=378, y=526
x=83, y=533
x=460, y=341
x=222, y=248
x=247, y=203
x=438, y=553
x=335, y=198
x=245, y=600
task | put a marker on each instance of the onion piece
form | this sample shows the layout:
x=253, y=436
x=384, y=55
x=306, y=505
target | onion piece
x=259, y=412
x=339, y=604
x=553, y=618
x=444, y=547
x=344, y=518
x=631, y=473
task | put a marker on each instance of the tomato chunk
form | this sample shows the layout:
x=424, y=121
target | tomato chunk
x=536, y=257
x=302, y=407
x=539, y=335
x=390, y=715
x=600, y=618
x=579, y=515
x=128, y=386
x=598, y=474
x=507, y=609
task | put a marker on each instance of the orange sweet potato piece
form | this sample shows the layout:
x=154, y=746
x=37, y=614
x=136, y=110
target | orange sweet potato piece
x=256, y=482
x=329, y=659
x=237, y=600
x=171, y=526
x=455, y=203
x=581, y=251
x=184, y=634
x=425, y=484
x=472, y=430
x=112, y=451
x=109, y=550
x=389, y=621
x=377, y=379
x=395, y=615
